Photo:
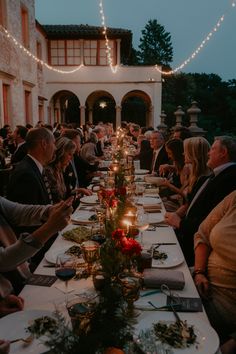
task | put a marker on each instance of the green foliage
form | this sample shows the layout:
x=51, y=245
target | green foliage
x=155, y=45
x=216, y=99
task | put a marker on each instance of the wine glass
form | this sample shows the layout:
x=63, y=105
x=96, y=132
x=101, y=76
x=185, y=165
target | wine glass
x=142, y=222
x=91, y=252
x=65, y=269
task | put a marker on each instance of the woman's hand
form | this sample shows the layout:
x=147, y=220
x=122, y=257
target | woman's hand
x=172, y=219
x=84, y=191
x=10, y=304
x=202, y=285
x=4, y=346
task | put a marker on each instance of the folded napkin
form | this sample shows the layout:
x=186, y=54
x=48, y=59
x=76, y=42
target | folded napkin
x=154, y=278
x=152, y=208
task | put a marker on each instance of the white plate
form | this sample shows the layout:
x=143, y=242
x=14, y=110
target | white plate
x=52, y=253
x=81, y=217
x=14, y=326
x=155, y=217
x=207, y=339
x=141, y=172
x=175, y=257
x=90, y=199
x=149, y=200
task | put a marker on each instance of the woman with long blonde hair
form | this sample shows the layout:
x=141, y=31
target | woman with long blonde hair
x=196, y=156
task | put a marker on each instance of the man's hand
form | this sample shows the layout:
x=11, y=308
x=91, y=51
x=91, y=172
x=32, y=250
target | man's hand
x=172, y=219
x=10, y=304
x=84, y=191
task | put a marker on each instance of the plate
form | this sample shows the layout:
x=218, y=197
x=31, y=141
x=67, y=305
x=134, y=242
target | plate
x=207, y=339
x=51, y=254
x=154, y=218
x=174, y=257
x=148, y=201
x=81, y=217
x=90, y=199
x=141, y=172
x=14, y=326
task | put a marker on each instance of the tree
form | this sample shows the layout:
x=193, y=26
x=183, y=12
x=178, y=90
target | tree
x=155, y=45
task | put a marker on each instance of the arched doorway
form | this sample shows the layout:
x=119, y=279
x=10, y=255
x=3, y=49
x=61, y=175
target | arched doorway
x=136, y=108
x=65, y=107
x=100, y=107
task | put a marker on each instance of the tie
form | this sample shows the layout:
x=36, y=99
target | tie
x=47, y=185
x=154, y=157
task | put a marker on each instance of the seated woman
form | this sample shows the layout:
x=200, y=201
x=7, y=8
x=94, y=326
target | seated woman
x=195, y=157
x=215, y=265
x=178, y=175
x=65, y=149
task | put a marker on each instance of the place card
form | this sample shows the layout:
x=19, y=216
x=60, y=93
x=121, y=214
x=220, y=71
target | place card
x=41, y=280
x=186, y=304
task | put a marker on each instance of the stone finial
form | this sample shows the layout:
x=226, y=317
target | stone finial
x=179, y=113
x=193, y=113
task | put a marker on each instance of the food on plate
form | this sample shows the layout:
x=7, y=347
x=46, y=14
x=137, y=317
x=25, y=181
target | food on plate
x=42, y=325
x=74, y=251
x=78, y=234
x=93, y=218
x=159, y=255
x=177, y=334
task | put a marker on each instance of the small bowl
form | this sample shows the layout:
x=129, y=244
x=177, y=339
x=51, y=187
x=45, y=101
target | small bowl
x=154, y=180
x=98, y=238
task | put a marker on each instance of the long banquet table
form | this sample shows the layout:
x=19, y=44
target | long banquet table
x=45, y=298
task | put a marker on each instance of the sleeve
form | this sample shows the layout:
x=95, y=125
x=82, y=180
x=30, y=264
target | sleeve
x=23, y=214
x=19, y=252
x=203, y=233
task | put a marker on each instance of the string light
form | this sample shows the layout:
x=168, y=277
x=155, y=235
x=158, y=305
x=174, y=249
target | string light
x=192, y=56
x=196, y=52
x=31, y=55
x=108, y=48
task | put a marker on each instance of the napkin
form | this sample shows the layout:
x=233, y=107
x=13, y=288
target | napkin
x=154, y=278
x=152, y=208
x=62, y=287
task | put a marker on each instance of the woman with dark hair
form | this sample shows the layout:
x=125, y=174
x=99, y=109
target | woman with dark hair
x=177, y=173
x=65, y=149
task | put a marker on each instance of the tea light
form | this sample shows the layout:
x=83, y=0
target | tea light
x=130, y=216
x=128, y=224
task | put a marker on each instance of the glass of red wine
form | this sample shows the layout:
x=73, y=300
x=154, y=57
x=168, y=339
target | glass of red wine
x=65, y=269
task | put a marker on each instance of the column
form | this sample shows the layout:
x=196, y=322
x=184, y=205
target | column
x=82, y=115
x=118, y=116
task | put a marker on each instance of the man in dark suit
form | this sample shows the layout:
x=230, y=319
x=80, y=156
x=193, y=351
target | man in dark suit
x=19, y=135
x=26, y=184
x=158, y=154
x=222, y=160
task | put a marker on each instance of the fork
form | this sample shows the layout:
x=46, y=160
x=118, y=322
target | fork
x=26, y=340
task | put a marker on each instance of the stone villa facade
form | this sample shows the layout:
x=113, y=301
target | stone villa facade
x=30, y=91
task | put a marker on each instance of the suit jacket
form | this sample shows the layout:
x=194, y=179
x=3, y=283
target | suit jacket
x=19, y=154
x=161, y=159
x=215, y=191
x=145, y=155
x=26, y=184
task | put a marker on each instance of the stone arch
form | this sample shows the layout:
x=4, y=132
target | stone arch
x=100, y=106
x=136, y=106
x=64, y=107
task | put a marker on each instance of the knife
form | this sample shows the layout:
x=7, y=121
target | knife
x=164, y=243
